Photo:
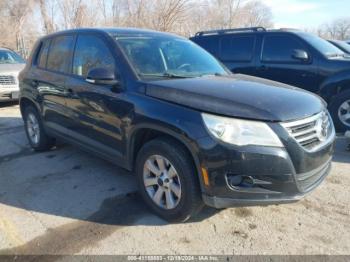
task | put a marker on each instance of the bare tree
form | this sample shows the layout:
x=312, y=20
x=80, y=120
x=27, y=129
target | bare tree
x=47, y=13
x=184, y=17
x=77, y=13
x=336, y=29
x=169, y=13
x=339, y=28
x=14, y=17
x=255, y=13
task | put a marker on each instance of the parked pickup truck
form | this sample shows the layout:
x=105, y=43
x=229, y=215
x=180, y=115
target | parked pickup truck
x=289, y=56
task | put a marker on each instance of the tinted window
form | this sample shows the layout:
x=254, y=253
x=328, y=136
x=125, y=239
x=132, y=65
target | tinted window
x=280, y=48
x=42, y=58
x=237, y=48
x=211, y=44
x=344, y=46
x=91, y=52
x=60, y=54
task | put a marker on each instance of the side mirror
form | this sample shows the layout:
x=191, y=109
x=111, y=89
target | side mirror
x=101, y=76
x=300, y=55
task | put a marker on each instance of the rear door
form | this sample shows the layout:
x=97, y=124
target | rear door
x=277, y=62
x=48, y=78
x=237, y=53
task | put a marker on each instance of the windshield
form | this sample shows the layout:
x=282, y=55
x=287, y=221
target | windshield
x=8, y=57
x=169, y=57
x=323, y=46
x=343, y=45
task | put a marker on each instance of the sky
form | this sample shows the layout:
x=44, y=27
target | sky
x=307, y=13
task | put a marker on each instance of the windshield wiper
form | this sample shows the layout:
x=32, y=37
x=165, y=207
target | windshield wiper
x=172, y=75
x=212, y=74
x=167, y=75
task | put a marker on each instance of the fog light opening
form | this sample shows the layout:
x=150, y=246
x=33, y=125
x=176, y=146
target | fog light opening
x=239, y=181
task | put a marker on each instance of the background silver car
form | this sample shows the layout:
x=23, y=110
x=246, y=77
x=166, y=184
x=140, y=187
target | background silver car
x=10, y=65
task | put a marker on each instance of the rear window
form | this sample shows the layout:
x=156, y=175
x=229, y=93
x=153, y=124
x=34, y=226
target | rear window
x=42, y=57
x=59, y=57
x=238, y=48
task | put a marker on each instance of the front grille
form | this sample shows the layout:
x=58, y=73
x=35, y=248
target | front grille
x=7, y=80
x=312, y=132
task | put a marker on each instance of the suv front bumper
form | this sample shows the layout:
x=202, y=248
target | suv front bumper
x=250, y=199
x=257, y=175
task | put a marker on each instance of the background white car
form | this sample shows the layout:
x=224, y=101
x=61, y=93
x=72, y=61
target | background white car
x=10, y=65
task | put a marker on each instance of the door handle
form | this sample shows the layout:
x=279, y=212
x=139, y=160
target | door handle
x=34, y=83
x=72, y=94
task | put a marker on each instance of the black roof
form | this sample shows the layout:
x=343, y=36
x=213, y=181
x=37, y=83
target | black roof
x=115, y=31
x=243, y=30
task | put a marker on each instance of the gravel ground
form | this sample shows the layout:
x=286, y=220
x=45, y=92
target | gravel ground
x=69, y=202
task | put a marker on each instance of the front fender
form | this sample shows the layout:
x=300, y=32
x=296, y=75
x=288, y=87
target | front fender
x=183, y=124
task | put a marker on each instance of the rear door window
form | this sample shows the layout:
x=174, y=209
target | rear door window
x=237, y=48
x=59, y=58
x=91, y=52
x=279, y=49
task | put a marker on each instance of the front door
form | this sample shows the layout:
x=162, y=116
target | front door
x=278, y=63
x=95, y=110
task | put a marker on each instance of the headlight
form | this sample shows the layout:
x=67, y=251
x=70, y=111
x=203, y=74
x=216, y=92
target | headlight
x=241, y=132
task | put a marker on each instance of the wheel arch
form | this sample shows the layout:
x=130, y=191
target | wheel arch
x=24, y=102
x=334, y=85
x=146, y=133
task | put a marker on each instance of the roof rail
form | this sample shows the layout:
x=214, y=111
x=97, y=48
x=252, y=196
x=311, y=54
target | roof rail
x=234, y=30
x=289, y=29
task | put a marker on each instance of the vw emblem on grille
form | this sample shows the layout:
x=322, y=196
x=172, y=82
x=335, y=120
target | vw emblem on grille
x=322, y=127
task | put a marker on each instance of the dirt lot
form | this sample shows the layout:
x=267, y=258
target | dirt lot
x=69, y=202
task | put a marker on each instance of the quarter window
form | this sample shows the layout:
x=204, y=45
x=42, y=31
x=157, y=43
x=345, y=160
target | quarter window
x=59, y=57
x=237, y=48
x=42, y=58
x=280, y=49
x=91, y=52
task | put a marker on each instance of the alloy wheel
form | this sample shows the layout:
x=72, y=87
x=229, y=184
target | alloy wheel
x=33, y=128
x=344, y=113
x=162, y=182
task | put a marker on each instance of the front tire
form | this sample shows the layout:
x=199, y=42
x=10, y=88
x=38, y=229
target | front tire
x=168, y=181
x=37, y=137
x=340, y=111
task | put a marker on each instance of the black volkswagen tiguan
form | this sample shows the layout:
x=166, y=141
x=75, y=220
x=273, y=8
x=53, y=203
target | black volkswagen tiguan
x=162, y=107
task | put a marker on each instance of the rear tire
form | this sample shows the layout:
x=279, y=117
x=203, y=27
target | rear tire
x=37, y=137
x=173, y=176
x=340, y=111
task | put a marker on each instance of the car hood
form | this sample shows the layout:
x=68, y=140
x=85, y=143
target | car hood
x=238, y=96
x=11, y=68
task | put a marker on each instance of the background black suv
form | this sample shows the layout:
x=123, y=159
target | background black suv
x=288, y=56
